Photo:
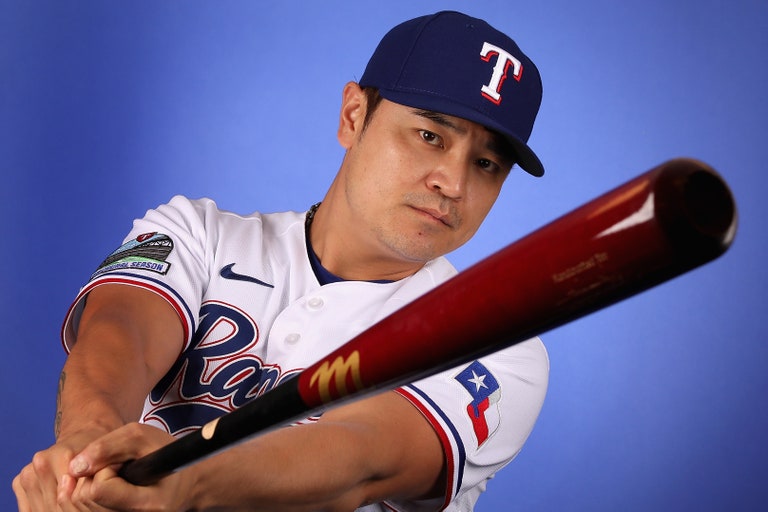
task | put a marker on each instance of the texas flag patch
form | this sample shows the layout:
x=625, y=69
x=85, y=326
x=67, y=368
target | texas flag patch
x=483, y=410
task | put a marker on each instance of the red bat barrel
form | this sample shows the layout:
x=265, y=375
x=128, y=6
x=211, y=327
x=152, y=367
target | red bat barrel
x=659, y=225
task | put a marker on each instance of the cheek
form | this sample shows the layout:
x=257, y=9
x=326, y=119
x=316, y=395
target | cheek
x=385, y=170
x=482, y=196
x=370, y=181
x=480, y=201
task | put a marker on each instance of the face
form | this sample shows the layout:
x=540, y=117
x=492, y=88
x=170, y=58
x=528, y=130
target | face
x=417, y=183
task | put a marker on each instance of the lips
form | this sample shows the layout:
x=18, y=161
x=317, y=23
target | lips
x=438, y=215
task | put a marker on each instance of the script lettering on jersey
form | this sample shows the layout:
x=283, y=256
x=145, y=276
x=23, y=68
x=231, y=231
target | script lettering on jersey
x=340, y=369
x=492, y=90
x=216, y=374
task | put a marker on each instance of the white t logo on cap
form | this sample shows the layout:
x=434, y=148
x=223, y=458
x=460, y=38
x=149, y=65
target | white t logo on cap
x=492, y=91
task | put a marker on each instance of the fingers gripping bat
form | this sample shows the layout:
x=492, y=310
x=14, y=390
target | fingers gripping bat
x=663, y=223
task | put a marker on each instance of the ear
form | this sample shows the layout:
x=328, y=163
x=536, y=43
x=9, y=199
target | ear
x=353, y=108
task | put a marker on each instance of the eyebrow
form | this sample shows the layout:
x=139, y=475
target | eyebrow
x=440, y=119
x=498, y=143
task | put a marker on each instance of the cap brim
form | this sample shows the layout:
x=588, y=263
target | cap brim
x=526, y=158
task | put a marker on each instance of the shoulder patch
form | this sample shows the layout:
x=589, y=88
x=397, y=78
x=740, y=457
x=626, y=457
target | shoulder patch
x=484, y=392
x=146, y=252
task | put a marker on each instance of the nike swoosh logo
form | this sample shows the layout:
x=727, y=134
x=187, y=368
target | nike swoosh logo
x=227, y=273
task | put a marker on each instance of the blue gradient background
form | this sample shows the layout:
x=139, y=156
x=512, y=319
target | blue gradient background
x=109, y=108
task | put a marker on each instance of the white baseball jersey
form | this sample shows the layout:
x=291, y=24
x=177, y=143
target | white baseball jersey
x=254, y=314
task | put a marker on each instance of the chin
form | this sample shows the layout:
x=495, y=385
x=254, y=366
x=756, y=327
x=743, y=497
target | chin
x=417, y=250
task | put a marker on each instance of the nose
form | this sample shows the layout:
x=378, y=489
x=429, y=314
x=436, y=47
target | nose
x=449, y=178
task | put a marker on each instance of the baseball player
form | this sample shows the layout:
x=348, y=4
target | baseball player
x=200, y=309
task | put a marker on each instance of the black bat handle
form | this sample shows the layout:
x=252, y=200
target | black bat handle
x=269, y=411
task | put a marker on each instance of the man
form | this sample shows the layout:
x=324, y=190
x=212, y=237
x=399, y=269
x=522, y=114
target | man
x=200, y=309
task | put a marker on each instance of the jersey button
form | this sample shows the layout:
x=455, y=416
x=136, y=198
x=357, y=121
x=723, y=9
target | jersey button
x=293, y=338
x=315, y=303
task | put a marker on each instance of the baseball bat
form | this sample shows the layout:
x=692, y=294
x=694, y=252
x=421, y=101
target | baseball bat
x=657, y=226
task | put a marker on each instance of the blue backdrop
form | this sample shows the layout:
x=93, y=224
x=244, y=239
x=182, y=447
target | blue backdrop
x=109, y=108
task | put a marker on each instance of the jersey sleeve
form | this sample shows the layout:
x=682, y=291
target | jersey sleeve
x=483, y=412
x=165, y=252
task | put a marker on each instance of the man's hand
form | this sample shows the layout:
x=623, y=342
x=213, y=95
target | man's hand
x=98, y=486
x=39, y=484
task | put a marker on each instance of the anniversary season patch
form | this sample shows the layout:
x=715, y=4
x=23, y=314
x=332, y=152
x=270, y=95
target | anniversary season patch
x=148, y=251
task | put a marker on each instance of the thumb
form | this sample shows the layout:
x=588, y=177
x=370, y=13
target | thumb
x=80, y=466
x=114, y=448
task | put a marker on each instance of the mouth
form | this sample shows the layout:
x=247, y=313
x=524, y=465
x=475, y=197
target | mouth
x=435, y=215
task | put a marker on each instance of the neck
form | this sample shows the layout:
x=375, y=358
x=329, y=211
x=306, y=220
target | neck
x=342, y=251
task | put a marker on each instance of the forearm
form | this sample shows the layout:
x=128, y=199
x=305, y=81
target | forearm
x=126, y=340
x=98, y=390
x=295, y=469
x=352, y=456
x=119, y=355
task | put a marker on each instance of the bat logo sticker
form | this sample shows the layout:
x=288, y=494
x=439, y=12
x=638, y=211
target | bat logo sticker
x=339, y=369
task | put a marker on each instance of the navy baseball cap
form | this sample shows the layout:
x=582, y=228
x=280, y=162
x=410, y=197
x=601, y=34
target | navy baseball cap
x=457, y=65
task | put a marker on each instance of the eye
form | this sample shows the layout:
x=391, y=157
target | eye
x=431, y=138
x=488, y=165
